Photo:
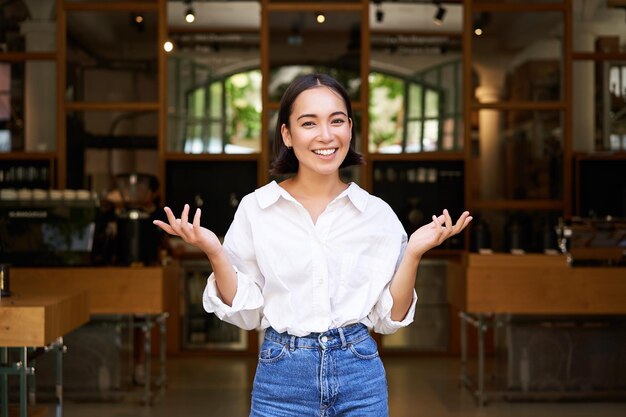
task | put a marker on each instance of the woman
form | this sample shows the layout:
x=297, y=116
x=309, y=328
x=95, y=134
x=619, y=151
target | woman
x=315, y=262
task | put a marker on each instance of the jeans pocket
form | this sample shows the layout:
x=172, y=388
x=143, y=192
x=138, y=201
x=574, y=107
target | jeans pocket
x=271, y=351
x=365, y=349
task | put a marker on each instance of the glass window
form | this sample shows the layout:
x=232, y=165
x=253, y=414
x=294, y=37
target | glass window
x=386, y=110
x=221, y=114
x=432, y=108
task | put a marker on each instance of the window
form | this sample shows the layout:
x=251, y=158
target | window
x=421, y=113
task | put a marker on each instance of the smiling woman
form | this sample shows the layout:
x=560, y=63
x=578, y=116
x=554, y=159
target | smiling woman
x=315, y=262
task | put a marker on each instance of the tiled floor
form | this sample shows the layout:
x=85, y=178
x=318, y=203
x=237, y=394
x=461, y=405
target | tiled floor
x=423, y=386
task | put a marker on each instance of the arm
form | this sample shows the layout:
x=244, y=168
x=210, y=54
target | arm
x=422, y=240
x=207, y=241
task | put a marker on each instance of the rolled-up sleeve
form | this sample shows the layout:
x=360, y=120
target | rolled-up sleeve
x=380, y=317
x=247, y=306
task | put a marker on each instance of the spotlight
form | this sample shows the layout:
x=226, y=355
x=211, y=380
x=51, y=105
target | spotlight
x=168, y=46
x=136, y=21
x=320, y=17
x=481, y=22
x=440, y=14
x=190, y=16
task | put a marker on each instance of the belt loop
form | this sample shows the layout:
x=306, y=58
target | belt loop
x=292, y=343
x=344, y=344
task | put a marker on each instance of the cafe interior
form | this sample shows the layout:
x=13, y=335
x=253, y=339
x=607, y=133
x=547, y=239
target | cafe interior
x=514, y=110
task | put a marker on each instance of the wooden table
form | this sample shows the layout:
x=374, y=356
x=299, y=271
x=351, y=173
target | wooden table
x=145, y=293
x=36, y=319
x=485, y=286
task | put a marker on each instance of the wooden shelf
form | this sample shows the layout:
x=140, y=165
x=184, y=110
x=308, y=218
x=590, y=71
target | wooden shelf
x=122, y=6
x=111, y=106
x=517, y=205
x=317, y=6
x=603, y=156
x=27, y=156
x=27, y=56
x=418, y=156
x=498, y=6
x=225, y=157
x=520, y=105
x=599, y=56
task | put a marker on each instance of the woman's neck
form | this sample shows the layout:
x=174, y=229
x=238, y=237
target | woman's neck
x=324, y=187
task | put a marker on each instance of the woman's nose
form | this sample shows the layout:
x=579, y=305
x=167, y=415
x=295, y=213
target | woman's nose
x=325, y=132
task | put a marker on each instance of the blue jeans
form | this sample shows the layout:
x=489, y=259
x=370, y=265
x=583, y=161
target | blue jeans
x=335, y=373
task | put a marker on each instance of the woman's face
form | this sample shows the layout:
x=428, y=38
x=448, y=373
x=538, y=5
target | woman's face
x=320, y=131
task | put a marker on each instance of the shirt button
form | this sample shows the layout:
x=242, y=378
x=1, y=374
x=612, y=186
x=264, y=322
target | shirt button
x=324, y=339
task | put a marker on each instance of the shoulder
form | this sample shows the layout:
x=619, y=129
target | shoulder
x=367, y=202
x=260, y=198
x=375, y=209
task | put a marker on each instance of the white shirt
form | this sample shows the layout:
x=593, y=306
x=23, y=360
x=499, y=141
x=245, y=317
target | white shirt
x=301, y=277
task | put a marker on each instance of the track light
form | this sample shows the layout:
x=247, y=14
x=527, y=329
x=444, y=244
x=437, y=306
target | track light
x=380, y=13
x=481, y=21
x=190, y=16
x=137, y=21
x=440, y=14
x=320, y=17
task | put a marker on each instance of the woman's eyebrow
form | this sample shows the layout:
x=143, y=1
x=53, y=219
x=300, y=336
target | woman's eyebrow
x=315, y=115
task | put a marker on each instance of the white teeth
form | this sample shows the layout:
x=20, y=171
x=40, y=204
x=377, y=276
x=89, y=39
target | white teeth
x=325, y=152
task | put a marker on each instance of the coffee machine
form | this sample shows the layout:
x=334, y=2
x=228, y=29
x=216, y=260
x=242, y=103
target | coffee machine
x=137, y=237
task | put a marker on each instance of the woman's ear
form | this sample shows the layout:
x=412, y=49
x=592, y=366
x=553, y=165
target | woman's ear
x=284, y=132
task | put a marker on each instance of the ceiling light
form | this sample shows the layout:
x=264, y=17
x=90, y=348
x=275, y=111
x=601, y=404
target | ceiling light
x=168, y=46
x=190, y=15
x=320, y=17
x=478, y=31
x=440, y=14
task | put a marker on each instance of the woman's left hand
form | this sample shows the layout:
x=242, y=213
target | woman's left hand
x=435, y=232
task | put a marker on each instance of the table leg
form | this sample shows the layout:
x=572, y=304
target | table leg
x=59, y=349
x=147, y=349
x=481, y=361
x=4, y=383
x=163, y=352
x=23, y=373
x=463, y=327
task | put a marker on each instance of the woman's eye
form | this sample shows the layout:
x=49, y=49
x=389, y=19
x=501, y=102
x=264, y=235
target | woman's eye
x=338, y=121
x=307, y=124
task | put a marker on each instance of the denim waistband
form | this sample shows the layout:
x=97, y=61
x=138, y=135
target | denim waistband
x=333, y=338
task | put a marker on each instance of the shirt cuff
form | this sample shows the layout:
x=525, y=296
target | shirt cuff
x=383, y=310
x=247, y=297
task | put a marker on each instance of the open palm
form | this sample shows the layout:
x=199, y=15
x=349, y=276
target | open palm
x=436, y=232
x=191, y=233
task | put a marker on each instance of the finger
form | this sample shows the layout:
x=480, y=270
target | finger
x=438, y=228
x=463, y=221
x=184, y=217
x=170, y=216
x=166, y=227
x=448, y=220
x=196, y=219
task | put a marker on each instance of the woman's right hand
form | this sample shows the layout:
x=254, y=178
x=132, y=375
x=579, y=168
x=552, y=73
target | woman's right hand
x=191, y=233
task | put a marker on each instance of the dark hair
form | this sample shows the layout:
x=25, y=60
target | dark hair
x=285, y=161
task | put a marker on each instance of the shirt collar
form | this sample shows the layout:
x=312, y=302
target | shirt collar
x=270, y=193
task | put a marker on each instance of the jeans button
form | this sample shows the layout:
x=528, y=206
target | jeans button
x=324, y=339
